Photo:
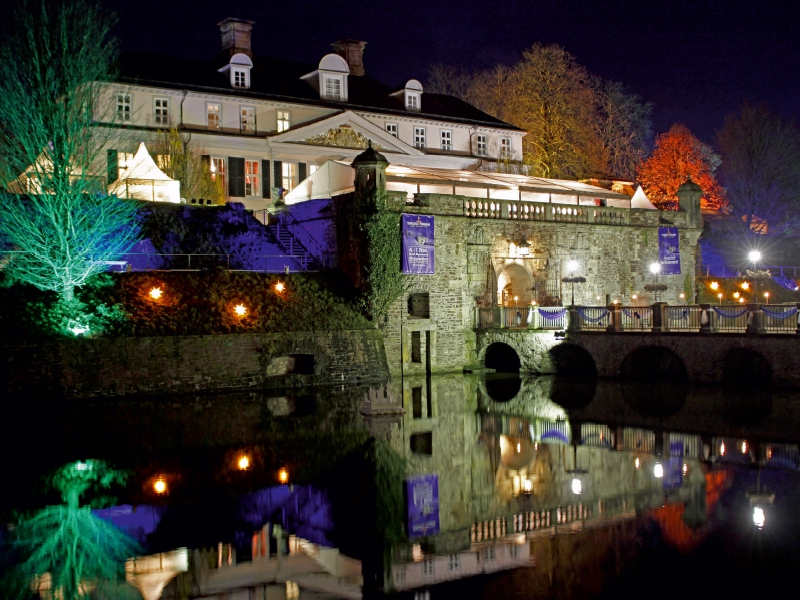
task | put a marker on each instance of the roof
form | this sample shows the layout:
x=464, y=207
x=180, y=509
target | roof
x=279, y=79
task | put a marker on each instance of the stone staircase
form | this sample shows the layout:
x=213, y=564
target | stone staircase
x=291, y=246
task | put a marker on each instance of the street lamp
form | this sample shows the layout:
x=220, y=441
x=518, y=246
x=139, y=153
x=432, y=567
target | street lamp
x=755, y=257
x=655, y=269
x=572, y=279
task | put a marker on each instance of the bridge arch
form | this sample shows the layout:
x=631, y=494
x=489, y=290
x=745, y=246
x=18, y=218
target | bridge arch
x=746, y=367
x=573, y=361
x=654, y=381
x=502, y=357
x=653, y=363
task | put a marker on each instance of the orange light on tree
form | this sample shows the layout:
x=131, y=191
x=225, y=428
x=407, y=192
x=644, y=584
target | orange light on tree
x=745, y=285
x=243, y=463
x=736, y=294
x=714, y=285
x=279, y=287
x=156, y=293
x=160, y=486
x=283, y=476
x=240, y=310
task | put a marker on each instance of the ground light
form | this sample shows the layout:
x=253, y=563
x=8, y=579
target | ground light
x=240, y=310
x=745, y=285
x=279, y=287
x=243, y=463
x=758, y=517
x=155, y=293
x=714, y=285
x=283, y=476
x=160, y=486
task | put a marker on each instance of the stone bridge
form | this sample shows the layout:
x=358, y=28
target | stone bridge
x=732, y=358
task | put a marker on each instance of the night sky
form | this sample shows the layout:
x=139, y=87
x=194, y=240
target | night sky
x=695, y=61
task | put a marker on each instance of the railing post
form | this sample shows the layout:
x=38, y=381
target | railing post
x=660, y=321
x=499, y=323
x=573, y=319
x=797, y=331
x=755, y=319
x=616, y=318
x=710, y=318
x=534, y=323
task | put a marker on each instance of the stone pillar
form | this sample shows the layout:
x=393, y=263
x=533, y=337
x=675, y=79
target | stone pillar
x=755, y=319
x=616, y=318
x=573, y=319
x=710, y=325
x=689, y=198
x=660, y=320
x=498, y=318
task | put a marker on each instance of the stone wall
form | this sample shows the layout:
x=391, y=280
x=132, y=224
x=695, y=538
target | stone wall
x=83, y=368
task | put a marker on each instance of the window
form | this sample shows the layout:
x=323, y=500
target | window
x=416, y=347
x=213, y=114
x=400, y=575
x=239, y=78
x=333, y=88
x=123, y=107
x=218, y=172
x=248, y=119
x=419, y=137
x=481, y=150
x=412, y=101
x=416, y=402
x=455, y=562
x=427, y=567
x=422, y=443
x=288, y=176
x=505, y=147
x=447, y=139
x=488, y=554
x=161, y=111
x=284, y=120
x=251, y=178
x=419, y=305
x=392, y=128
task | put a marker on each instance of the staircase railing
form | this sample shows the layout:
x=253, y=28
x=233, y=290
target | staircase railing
x=314, y=248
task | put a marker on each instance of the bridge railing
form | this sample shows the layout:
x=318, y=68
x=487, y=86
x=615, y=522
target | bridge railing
x=521, y=317
x=637, y=317
x=684, y=318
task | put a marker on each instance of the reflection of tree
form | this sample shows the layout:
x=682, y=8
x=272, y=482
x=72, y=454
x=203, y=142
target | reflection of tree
x=67, y=549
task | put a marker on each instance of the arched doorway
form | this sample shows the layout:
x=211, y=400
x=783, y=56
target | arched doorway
x=514, y=286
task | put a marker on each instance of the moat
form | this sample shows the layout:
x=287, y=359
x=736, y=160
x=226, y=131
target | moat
x=542, y=486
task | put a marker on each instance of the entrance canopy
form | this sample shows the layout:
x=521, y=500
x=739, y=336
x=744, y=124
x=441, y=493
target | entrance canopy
x=141, y=179
x=337, y=177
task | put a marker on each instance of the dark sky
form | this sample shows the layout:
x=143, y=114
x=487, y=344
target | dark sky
x=695, y=61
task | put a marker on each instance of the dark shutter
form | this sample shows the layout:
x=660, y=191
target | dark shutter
x=206, y=160
x=277, y=171
x=265, y=191
x=301, y=172
x=112, y=166
x=235, y=177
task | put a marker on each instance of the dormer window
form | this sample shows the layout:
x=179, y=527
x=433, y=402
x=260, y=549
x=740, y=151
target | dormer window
x=330, y=79
x=412, y=101
x=411, y=95
x=333, y=88
x=239, y=69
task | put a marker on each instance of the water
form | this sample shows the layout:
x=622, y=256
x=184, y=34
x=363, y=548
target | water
x=508, y=455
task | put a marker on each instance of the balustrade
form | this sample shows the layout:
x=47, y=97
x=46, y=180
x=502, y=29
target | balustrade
x=538, y=211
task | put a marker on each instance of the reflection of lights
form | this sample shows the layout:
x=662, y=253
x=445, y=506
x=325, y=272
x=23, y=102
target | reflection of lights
x=685, y=468
x=577, y=487
x=292, y=590
x=745, y=285
x=78, y=330
x=155, y=293
x=536, y=445
x=527, y=485
x=637, y=463
x=769, y=452
x=160, y=486
x=283, y=475
x=240, y=310
x=722, y=449
x=758, y=517
x=519, y=447
x=279, y=287
x=243, y=462
x=658, y=471
x=744, y=447
x=714, y=286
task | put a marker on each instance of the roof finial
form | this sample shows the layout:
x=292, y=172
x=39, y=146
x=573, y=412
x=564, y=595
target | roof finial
x=369, y=143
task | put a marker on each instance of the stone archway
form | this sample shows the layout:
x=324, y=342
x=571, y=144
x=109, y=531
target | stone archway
x=514, y=281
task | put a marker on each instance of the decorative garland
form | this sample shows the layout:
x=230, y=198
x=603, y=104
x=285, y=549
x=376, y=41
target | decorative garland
x=628, y=314
x=603, y=315
x=735, y=315
x=683, y=316
x=552, y=316
x=780, y=315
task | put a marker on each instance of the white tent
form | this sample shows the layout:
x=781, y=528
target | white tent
x=640, y=200
x=330, y=179
x=141, y=179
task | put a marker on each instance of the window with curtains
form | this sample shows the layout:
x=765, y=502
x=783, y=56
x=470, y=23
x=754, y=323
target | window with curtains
x=218, y=172
x=251, y=177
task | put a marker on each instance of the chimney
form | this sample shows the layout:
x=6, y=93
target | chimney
x=236, y=36
x=352, y=51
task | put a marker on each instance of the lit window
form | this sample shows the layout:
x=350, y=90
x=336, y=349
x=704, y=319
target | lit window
x=251, y=178
x=412, y=101
x=289, y=176
x=248, y=119
x=218, y=172
x=427, y=567
x=505, y=147
x=455, y=562
x=284, y=120
x=419, y=137
x=482, y=145
x=123, y=107
x=161, y=111
x=239, y=78
x=213, y=116
x=333, y=88
x=447, y=139
x=392, y=128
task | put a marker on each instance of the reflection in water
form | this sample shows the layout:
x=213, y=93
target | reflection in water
x=504, y=453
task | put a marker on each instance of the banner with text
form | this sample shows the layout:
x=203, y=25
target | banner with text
x=422, y=495
x=417, y=244
x=669, y=251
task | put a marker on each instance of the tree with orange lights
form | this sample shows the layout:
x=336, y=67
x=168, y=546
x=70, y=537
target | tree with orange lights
x=679, y=156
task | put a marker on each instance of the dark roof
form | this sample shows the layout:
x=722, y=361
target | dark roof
x=278, y=79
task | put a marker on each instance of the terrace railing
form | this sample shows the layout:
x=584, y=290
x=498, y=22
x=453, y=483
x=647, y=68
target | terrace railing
x=540, y=211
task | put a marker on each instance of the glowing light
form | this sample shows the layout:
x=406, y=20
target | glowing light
x=754, y=256
x=744, y=447
x=682, y=296
x=81, y=466
x=766, y=294
x=243, y=462
x=577, y=487
x=741, y=300
x=758, y=517
x=658, y=471
x=240, y=310
x=160, y=486
x=722, y=449
x=637, y=463
x=527, y=486
x=155, y=293
x=572, y=266
x=634, y=297
x=745, y=285
x=685, y=468
x=714, y=285
x=283, y=475
x=292, y=590
x=655, y=268
x=279, y=287
x=519, y=447
x=213, y=167
x=736, y=294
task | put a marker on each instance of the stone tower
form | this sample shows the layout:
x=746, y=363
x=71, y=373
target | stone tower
x=370, y=169
x=689, y=197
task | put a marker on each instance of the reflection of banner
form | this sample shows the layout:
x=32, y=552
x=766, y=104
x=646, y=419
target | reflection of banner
x=417, y=244
x=669, y=254
x=422, y=493
x=673, y=468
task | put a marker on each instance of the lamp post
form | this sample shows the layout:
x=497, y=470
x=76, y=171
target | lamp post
x=572, y=279
x=755, y=256
x=655, y=269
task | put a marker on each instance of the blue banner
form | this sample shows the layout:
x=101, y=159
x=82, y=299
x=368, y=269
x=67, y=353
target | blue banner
x=417, y=244
x=669, y=254
x=422, y=494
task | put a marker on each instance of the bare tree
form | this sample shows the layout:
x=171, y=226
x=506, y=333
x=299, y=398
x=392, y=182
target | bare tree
x=179, y=159
x=760, y=167
x=450, y=80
